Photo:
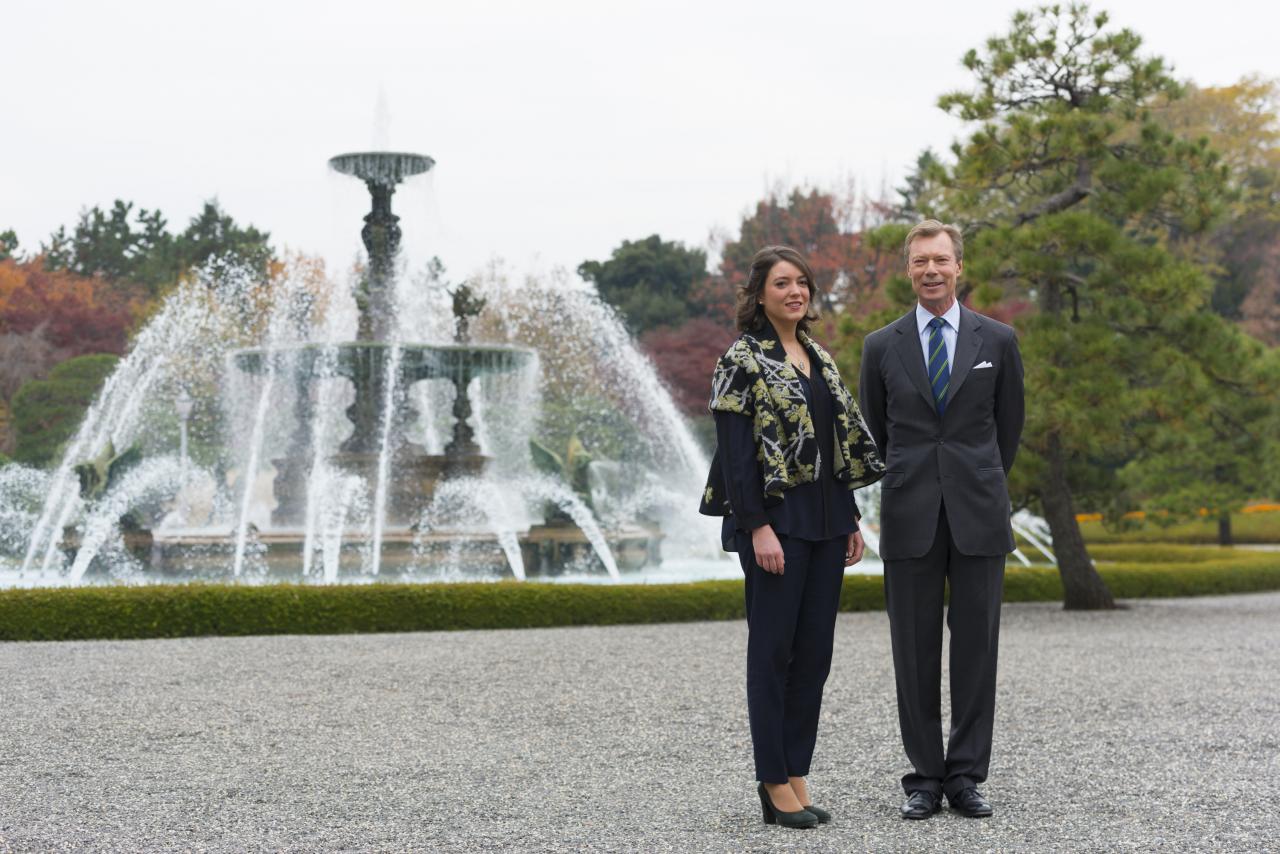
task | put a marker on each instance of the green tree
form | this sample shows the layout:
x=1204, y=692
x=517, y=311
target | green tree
x=1082, y=204
x=6, y=428
x=915, y=196
x=649, y=281
x=116, y=245
x=8, y=245
x=213, y=233
x=125, y=248
x=1215, y=446
x=47, y=412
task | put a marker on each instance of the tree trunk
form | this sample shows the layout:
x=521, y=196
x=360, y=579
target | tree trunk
x=1083, y=589
x=1224, y=528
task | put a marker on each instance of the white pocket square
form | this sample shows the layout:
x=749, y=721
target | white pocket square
x=983, y=365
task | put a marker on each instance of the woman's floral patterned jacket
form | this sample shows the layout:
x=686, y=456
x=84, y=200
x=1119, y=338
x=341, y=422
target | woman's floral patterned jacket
x=754, y=378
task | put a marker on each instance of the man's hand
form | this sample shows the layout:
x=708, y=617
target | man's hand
x=853, y=551
x=767, y=548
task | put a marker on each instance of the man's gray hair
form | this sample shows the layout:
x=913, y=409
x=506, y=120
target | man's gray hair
x=931, y=227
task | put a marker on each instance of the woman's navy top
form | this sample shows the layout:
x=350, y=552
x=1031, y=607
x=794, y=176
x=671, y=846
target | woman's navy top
x=819, y=510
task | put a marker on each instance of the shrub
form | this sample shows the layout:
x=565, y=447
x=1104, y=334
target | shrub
x=229, y=609
x=217, y=609
x=46, y=412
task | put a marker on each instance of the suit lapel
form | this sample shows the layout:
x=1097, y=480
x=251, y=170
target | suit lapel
x=968, y=343
x=912, y=355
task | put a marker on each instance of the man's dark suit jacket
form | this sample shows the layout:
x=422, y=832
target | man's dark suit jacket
x=961, y=458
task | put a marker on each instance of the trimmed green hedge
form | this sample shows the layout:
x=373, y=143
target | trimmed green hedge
x=186, y=610
x=222, y=609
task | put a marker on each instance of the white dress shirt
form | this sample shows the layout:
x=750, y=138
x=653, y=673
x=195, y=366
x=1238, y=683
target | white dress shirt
x=949, y=331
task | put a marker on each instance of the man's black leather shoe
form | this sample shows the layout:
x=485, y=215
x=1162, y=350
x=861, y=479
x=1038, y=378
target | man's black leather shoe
x=921, y=805
x=968, y=802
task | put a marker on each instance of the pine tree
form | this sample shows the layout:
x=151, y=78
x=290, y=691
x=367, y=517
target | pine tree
x=1079, y=202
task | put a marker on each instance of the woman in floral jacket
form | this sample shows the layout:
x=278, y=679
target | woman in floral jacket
x=791, y=448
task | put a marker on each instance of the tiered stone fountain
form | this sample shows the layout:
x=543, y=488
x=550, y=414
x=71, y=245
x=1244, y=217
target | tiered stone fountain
x=309, y=458
x=366, y=362
x=381, y=370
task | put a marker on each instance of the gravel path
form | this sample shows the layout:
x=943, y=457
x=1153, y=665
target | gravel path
x=1151, y=728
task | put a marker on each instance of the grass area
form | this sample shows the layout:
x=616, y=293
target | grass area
x=1261, y=527
x=160, y=611
x=1170, y=553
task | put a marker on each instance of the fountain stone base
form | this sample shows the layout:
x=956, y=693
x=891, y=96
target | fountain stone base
x=547, y=551
x=413, y=481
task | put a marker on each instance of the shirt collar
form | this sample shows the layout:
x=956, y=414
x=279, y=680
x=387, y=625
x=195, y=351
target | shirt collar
x=923, y=316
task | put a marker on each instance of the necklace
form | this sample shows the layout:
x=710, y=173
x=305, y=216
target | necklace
x=798, y=361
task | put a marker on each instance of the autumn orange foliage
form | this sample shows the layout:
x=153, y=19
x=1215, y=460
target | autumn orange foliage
x=829, y=229
x=685, y=356
x=77, y=314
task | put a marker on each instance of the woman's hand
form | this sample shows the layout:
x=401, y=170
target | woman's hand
x=853, y=551
x=764, y=542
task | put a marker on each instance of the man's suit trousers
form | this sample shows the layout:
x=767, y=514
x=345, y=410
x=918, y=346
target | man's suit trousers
x=791, y=621
x=914, y=596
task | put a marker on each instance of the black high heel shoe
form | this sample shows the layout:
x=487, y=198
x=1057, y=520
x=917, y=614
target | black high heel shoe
x=819, y=813
x=772, y=815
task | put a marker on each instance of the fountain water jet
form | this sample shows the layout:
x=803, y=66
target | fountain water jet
x=388, y=417
x=251, y=466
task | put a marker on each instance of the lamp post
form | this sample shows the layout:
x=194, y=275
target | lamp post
x=183, y=404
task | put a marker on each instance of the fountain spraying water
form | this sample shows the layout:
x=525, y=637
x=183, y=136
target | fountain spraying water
x=384, y=432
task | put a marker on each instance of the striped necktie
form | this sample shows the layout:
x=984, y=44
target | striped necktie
x=939, y=371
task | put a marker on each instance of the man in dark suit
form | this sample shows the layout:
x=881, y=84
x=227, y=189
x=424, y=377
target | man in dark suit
x=941, y=392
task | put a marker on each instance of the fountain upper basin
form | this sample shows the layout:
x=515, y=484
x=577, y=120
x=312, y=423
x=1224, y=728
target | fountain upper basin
x=359, y=358
x=381, y=167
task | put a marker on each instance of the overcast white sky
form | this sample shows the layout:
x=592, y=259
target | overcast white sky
x=559, y=128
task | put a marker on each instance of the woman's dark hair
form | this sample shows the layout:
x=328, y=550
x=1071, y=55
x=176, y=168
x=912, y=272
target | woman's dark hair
x=750, y=312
